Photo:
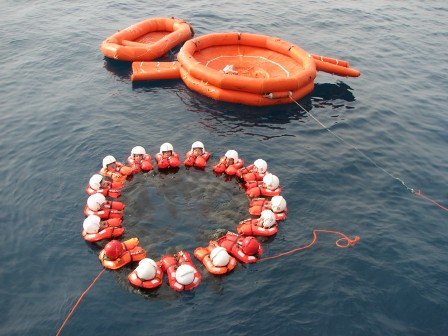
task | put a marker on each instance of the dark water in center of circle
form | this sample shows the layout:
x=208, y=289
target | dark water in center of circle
x=350, y=166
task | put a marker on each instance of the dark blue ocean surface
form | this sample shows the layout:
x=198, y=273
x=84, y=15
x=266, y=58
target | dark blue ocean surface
x=350, y=166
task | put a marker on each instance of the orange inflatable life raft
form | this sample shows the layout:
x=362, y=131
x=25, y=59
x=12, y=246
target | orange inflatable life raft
x=146, y=40
x=246, y=68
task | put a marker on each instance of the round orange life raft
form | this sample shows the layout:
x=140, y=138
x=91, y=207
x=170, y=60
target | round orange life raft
x=146, y=40
x=245, y=68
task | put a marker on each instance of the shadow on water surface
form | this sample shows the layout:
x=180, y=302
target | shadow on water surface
x=121, y=69
x=225, y=118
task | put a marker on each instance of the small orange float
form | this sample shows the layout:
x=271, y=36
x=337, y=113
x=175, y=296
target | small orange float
x=146, y=40
x=244, y=68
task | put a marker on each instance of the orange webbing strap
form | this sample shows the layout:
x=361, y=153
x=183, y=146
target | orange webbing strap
x=419, y=193
x=339, y=243
x=78, y=302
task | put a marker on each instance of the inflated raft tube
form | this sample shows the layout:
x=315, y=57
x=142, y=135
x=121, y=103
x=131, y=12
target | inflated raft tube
x=146, y=40
x=244, y=68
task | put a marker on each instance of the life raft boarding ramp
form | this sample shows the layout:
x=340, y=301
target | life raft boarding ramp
x=244, y=68
x=142, y=71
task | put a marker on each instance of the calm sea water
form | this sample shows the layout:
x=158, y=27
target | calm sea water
x=64, y=107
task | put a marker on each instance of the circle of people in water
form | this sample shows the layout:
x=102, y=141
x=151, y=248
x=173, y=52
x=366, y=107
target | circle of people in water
x=104, y=217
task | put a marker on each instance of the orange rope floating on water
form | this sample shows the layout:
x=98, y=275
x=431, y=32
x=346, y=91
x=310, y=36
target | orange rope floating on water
x=78, y=302
x=419, y=193
x=348, y=242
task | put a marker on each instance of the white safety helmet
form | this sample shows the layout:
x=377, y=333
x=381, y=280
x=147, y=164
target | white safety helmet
x=219, y=256
x=261, y=165
x=95, y=181
x=197, y=144
x=232, y=154
x=95, y=201
x=108, y=160
x=185, y=274
x=271, y=181
x=91, y=224
x=146, y=269
x=138, y=150
x=166, y=147
x=268, y=218
x=278, y=203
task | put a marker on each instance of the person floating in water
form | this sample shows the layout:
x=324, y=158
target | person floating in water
x=167, y=157
x=197, y=156
x=229, y=163
x=139, y=160
x=114, y=169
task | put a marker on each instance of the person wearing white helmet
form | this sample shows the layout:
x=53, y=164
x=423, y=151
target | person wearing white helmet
x=219, y=256
x=99, y=185
x=271, y=182
x=229, y=163
x=139, y=160
x=270, y=186
x=99, y=206
x=215, y=258
x=277, y=204
x=95, y=181
x=148, y=274
x=185, y=274
x=197, y=156
x=267, y=219
x=167, y=157
x=95, y=229
x=114, y=169
x=181, y=272
x=146, y=269
x=253, y=172
x=265, y=225
x=96, y=201
x=92, y=224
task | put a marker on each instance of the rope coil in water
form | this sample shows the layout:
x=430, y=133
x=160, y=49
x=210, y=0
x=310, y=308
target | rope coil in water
x=339, y=243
